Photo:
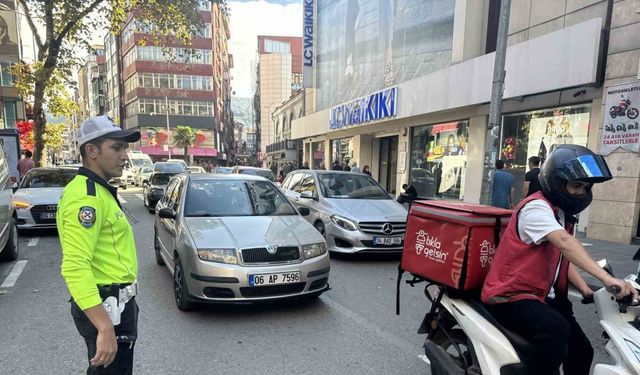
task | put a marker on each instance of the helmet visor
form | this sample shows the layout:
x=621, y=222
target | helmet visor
x=587, y=168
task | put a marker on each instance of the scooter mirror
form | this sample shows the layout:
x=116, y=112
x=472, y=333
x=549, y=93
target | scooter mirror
x=605, y=266
x=637, y=256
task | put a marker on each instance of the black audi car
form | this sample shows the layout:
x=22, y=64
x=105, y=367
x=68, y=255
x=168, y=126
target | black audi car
x=153, y=189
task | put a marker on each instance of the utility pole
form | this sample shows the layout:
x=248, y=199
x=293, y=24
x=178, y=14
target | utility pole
x=492, y=141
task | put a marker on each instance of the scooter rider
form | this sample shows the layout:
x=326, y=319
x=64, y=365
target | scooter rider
x=526, y=288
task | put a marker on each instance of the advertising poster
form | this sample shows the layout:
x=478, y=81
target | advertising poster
x=620, y=127
x=546, y=133
x=8, y=28
x=11, y=149
x=153, y=141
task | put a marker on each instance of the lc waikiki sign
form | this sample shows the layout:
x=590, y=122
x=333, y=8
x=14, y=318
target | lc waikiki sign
x=377, y=106
x=308, y=30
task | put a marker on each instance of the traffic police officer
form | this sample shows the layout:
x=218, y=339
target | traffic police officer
x=99, y=262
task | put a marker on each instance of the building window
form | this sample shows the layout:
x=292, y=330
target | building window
x=10, y=114
x=341, y=152
x=317, y=155
x=275, y=46
x=439, y=160
x=176, y=107
x=537, y=134
x=204, y=5
x=6, y=76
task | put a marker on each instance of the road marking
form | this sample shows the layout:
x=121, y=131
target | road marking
x=424, y=358
x=139, y=196
x=33, y=241
x=367, y=325
x=121, y=199
x=586, y=244
x=14, y=274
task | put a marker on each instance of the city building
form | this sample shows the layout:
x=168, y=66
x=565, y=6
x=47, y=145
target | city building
x=155, y=88
x=279, y=75
x=407, y=92
x=222, y=64
x=11, y=104
x=91, y=84
x=285, y=151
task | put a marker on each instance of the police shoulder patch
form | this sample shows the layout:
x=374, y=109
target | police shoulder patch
x=87, y=216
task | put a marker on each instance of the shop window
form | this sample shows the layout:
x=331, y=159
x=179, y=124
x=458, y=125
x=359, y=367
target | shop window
x=341, y=151
x=317, y=150
x=439, y=160
x=538, y=133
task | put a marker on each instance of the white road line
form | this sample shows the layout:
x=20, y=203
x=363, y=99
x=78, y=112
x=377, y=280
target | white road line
x=121, y=199
x=424, y=358
x=586, y=244
x=14, y=274
x=33, y=241
x=139, y=196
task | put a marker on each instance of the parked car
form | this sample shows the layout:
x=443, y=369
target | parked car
x=177, y=161
x=163, y=166
x=200, y=233
x=352, y=211
x=143, y=175
x=8, y=230
x=254, y=171
x=195, y=169
x=153, y=189
x=222, y=170
x=36, y=200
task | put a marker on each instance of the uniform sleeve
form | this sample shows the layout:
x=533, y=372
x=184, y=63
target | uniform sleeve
x=78, y=238
x=535, y=221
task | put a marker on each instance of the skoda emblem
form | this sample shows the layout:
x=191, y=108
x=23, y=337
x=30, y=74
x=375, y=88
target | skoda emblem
x=387, y=228
x=272, y=249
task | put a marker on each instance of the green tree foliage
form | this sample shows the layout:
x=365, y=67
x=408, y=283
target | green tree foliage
x=53, y=136
x=62, y=27
x=184, y=137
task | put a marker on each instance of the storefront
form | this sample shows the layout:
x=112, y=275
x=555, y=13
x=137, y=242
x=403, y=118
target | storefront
x=438, y=159
x=317, y=155
x=537, y=133
x=341, y=152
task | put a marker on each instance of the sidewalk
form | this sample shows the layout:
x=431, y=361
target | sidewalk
x=620, y=256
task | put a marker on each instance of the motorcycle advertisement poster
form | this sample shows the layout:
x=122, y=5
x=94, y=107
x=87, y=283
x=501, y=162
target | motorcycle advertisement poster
x=620, y=127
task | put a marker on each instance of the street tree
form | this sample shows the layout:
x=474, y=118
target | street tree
x=61, y=27
x=185, y=137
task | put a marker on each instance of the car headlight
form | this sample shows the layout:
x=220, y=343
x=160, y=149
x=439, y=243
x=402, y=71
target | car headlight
x=343, y=222
x=218, y=255
x=20, y=204
x=313, y=250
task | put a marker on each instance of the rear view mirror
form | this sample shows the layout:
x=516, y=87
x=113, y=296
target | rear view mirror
x=167, y=213
x=605, y=266
x=306, y=194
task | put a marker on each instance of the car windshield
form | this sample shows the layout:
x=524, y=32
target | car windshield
x=140, y=162
x=350, y=186
x=159, y=179
x=223, y=170
x=170, y=167
x=259, y=172
x=147, y=170
x=48, y=178
x=209, y=198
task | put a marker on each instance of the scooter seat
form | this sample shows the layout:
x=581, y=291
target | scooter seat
x=520, y=344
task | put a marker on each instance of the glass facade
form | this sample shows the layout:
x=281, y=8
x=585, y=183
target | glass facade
x=168, y=81
x=342, y=151
x=176, y=107
x=317, y=155
x=537, y=134
x=439, y=160
x=175, y=55
x=366, y=45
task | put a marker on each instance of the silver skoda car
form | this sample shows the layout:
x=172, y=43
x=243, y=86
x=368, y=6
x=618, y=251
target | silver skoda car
x=352, y=211
x=236, y=238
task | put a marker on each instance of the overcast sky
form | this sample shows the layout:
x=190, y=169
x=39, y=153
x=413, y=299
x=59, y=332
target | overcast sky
x=250, y=18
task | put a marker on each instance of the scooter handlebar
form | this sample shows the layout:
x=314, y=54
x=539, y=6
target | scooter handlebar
x=614, y=289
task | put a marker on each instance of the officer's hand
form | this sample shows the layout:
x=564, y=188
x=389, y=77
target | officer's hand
x=106, y=347
x=624, y=287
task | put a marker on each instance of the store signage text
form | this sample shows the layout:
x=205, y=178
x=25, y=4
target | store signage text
x=377, y=106
x=308, y=33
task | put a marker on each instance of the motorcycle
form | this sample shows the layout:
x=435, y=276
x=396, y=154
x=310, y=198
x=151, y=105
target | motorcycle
x=624, y=109
x=463, y=338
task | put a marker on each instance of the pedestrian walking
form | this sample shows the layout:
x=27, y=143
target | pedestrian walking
x=25, y=164
x=531, y=181
x=366, y=170
x=502, y=192
x=99, y=262
x=355, y=168
x=337, y=166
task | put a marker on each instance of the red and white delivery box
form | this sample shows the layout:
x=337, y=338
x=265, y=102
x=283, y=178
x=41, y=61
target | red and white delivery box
x=452, y=243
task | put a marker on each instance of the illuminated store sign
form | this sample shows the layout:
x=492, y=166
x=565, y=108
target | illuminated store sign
x=377, y=106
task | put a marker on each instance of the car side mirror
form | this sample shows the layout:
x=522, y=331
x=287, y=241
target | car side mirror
x=306, y=194
x=304, y=211
x=167, y=213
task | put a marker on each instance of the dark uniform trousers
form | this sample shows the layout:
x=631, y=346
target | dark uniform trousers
x=126, y=334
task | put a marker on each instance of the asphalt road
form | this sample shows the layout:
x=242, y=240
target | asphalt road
x=350, y=329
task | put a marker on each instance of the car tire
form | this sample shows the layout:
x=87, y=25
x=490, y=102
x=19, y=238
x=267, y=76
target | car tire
x=10, y=250
x=156, y=247
x=180, y=291
x=319, y=225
